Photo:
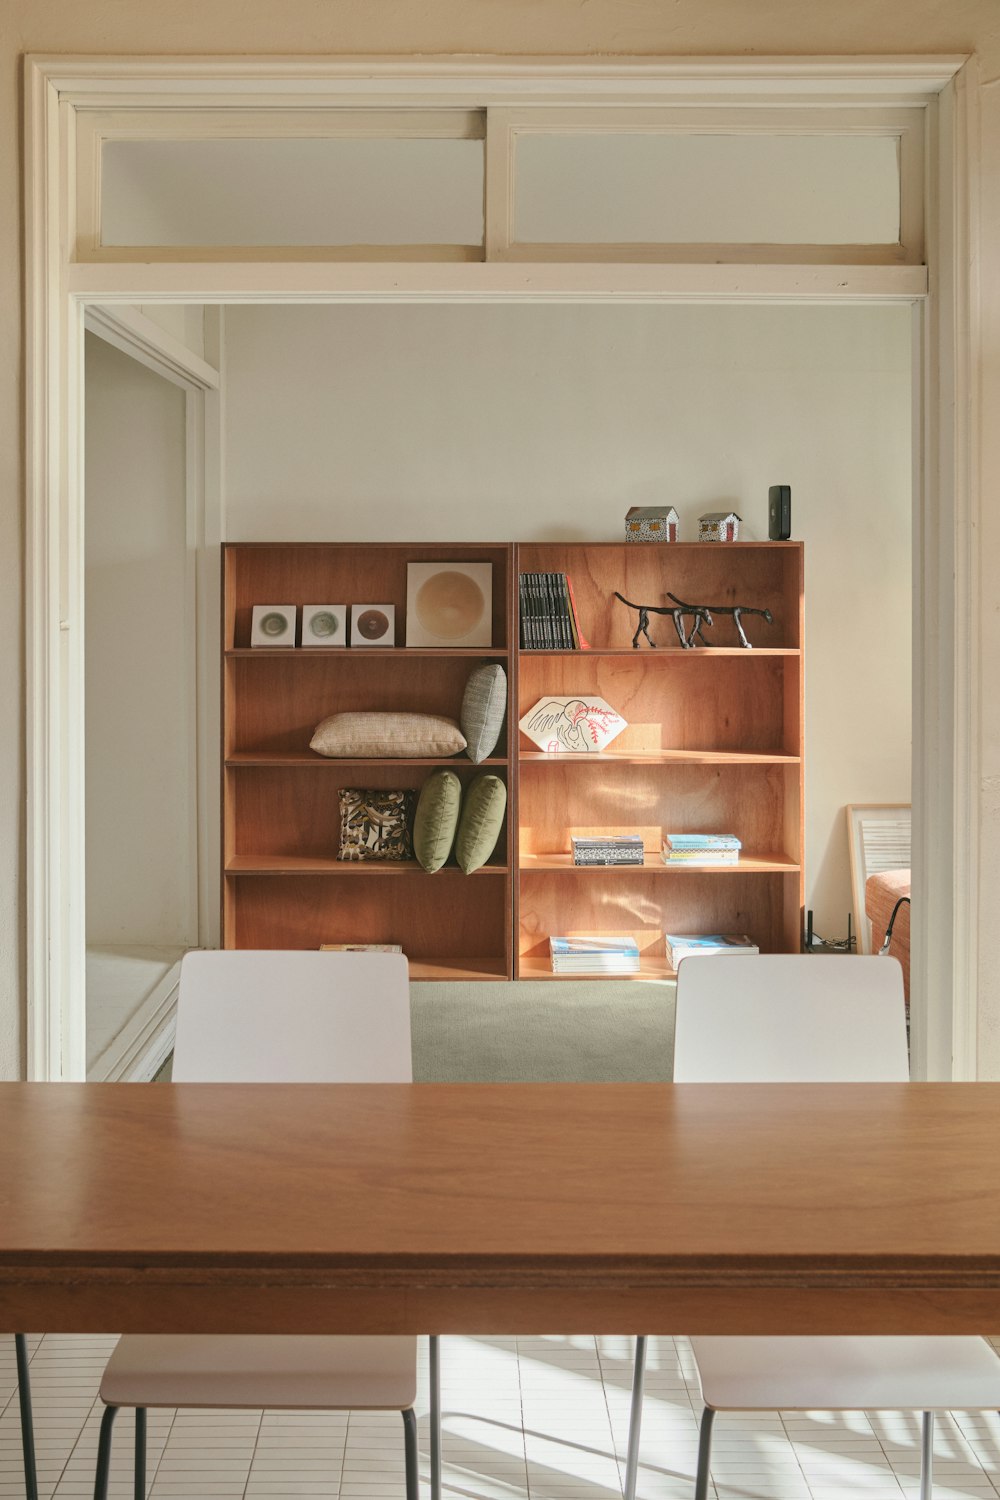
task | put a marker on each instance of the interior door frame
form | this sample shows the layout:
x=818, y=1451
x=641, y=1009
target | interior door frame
x=947, y=362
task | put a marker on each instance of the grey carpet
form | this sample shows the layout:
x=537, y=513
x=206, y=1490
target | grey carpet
x=543, y=1031
x=539, y=1031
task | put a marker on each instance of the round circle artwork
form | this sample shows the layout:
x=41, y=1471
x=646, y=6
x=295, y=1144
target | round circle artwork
x=449, y=605
x=273, y=624
x=373, y=624
x=324, y=624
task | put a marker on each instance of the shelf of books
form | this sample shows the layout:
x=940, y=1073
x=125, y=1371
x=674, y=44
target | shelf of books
x=659, y=783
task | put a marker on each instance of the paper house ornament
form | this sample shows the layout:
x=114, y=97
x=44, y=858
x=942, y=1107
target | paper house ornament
x=651, y=523
x=719, y=526
x=572, y=724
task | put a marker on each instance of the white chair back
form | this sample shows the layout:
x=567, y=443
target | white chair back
x=302, y=1017
x=790, y=1018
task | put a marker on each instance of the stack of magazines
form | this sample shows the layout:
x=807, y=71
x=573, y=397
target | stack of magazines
x=548, y=614
x=701, y=849
x=594, y=955
x=610, y=849
x=706, y=944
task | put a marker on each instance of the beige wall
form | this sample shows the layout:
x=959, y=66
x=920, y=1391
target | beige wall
x=521, y=27
x=535, y=423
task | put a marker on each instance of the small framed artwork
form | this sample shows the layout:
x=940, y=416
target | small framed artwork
x=373, y=624
x=449, y=604
x=273, y=625
x=324, y=624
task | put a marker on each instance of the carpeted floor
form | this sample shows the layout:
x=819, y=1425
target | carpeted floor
x=574, y=1031
x=538, y=1031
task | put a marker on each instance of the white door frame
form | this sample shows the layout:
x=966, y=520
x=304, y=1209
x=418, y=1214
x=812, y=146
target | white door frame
x=142, y=339
x=60, y=289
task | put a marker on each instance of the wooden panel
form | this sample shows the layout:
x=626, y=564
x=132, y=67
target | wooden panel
x=562, y=800
x=391, y=1208
x=685, y=700
x=349, y=573
x=644, y=904
x=764, y=575
x=279, y=700
x=297, y=812
x=436, y=918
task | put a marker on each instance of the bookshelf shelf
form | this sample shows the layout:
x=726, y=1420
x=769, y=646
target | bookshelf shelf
x=713, y=743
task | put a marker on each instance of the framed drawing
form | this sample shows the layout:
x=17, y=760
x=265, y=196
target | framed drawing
x=449, y=604
x=324, y=624
x=878, y=836
x=273, y=625
x=373, y=624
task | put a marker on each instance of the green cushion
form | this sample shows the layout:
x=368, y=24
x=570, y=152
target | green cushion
x=436, y=819
x=483, y=709
x=483, y=807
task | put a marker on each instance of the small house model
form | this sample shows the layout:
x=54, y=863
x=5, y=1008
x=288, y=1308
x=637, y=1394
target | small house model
x=719, y=526
x=651, y=523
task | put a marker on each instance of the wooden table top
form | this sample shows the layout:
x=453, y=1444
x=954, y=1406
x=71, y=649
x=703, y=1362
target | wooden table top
x=500, y=1208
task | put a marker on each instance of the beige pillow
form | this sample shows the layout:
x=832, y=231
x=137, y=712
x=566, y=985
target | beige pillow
x=394, y=736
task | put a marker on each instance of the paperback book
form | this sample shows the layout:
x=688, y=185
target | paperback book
x=696, y=857
x=360, y=948
x=614, y=849
x=680, y=841
x=594, y=955
x=706, y=945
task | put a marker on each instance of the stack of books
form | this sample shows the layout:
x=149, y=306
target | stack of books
x=360, y=948
x=701, y=849
x=548, y=614
x=704, y=945
x=594, y=955
x=612, y=849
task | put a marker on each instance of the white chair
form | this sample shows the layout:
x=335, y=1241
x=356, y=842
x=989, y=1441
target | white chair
x=274, y=1017
x=796, y=1018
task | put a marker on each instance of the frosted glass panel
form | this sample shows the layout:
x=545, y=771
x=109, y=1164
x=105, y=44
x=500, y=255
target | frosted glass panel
x=292, y=192
x=695, y=189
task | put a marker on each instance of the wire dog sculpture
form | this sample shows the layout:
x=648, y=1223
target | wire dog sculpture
x=699, y=614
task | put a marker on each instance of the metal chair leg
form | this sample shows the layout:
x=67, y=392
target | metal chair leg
x=140, y=1453
x=27, y=1426
x=104, y=1454
x=435, y=1351
x=412, y=1458
x=704, y=1454
x=635, y=1418
x=926, y=1455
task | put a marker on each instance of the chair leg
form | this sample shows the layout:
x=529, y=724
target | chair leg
x=926, y=1455
x=104, y=1454
x=27, y=1426
x=140, y=1453
x=435, y=1344
x=412, y=1458
x=635, y=1418
x=704, y=1454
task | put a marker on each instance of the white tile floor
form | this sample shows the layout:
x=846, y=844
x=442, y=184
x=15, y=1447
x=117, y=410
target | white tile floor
x=529, y=1417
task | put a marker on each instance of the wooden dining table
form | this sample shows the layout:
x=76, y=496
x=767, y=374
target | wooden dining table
x=500, y=1208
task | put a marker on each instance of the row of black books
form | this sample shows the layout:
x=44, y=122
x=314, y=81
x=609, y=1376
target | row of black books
x=548, y=614
x=613, y=849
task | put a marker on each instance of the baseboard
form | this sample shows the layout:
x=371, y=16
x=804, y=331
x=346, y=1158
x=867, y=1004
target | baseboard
x=145, y=1042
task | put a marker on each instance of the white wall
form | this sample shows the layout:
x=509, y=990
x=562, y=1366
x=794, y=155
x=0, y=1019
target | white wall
x=141, y=875
x=526, y=423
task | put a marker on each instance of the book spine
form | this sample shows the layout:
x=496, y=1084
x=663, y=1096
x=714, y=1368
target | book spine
x=582, y=641
x=564, y=613
x=522, y=612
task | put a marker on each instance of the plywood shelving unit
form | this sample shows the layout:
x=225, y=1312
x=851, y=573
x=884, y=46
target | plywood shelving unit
x=283, y=886
x=714, y=744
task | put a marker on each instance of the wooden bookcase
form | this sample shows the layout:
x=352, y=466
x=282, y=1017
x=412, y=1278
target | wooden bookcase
x=714, y=744
x=283, y=886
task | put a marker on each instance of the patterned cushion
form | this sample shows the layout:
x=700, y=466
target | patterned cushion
x=436, y=820
x=391, y=735
x=483, y=708
x=375, y=824
x=483, y=807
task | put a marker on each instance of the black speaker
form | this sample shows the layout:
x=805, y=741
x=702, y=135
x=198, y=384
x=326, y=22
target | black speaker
x=779, y=512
